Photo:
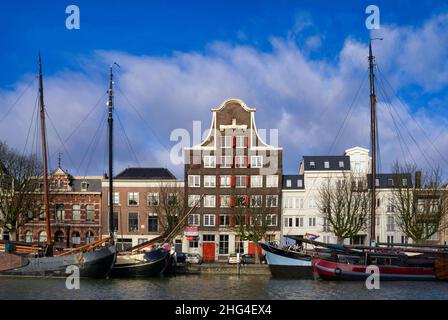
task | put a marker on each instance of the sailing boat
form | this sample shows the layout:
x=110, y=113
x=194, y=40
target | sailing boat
x=425, y=263
x=93, y=260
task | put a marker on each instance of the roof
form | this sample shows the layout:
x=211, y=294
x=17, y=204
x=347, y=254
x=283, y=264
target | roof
x=388, y=180
x=295, y=180
x=320, y=161
x=94, y=184
x=146, y=173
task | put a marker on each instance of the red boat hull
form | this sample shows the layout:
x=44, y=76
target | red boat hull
x=329, y=270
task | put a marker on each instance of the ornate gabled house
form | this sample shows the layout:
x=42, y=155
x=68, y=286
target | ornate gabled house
x=232, y=167
x=75, y=206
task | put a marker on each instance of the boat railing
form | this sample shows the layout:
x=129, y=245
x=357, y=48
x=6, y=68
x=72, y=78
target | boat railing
x=87, y=247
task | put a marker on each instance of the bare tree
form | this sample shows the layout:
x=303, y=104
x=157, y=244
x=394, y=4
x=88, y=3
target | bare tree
x=421, y=209
x=170, y=206
x=344, y=205
x=252, y=219
x=19, y=201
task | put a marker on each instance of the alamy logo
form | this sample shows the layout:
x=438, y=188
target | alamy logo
x=72, y=281
x=73, y=20
x=373, y=280
x=373, y=20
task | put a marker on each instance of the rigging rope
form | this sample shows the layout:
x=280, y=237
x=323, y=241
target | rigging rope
x=17, y=100
x=127, y=138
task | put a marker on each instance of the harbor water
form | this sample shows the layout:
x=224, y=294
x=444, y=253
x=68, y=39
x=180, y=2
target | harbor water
x=222, y=287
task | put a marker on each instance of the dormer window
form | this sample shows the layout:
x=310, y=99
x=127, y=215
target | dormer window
x=84, y=186
x=312, y=165
x=341, y=164
x=59, y=184
x=390, y=182
x=288, y=183
x=327, y=164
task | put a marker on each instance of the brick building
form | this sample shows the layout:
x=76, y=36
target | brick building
x=232, y=167
x=75, y=206
x=138, y=203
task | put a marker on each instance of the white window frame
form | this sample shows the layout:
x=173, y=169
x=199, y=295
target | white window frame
x=268, y=205
x=225, y=162
x=209, y=161
x=240, y=162
x=210, y=201
x=77, y=210
x=194, y=219
x=194, y=181
x=224, y=140
x=259, y=202
x=256, y=181
x=238, y=142
x=209, y=220
x=115, y=196
x=239, y=178
x=326, y=164
x=209, y=181
x=153, y=195
x=256, y=161
x=193, y=199
x=226, y=179
x=138, y=198
x=270, y=219
x=224, y=201
x=272, y=181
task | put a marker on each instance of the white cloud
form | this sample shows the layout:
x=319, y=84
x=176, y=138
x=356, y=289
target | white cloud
x=305, y=99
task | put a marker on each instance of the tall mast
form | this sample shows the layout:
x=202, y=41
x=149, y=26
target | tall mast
x=373, y=142
x=110, y=121
x=44, y=154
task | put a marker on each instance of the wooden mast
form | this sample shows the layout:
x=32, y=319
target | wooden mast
x=44, y=156
x=373, y=143
x=110, y=121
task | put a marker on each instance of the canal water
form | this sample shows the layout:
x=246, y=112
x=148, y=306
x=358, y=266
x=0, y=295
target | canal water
x=218, y=287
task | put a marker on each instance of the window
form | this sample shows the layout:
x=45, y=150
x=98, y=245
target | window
x=223, y=244
x=256, y=161
x=272, y=201
x=226, y=162
x=256, y=181
x=272, y=181
x=390, y=239
x=60, y=212
x=209, y=181
x=404, y=182
x=404, y=239
x=59, y=184
x=209, y=220
x=390, y=223
x=141, y=240
x=172, y=200
x=59, y=236
x=341, y=164
x=312, y=204
x=132, y=198
x=288, y=222
x=271, y=220
x=288, y=202
x=224, y=220
x=210, y=201
x=209, y=162
x=42, y=236
x=208, y=238
x=312, y=221
x=193, y=219
x=241, y=201
x=90, y=237
x=133, y=221
x=256, y=201
x=90, y=213
x=153, y=222
x=239, y=245
x=326, y=164
x=76, y=238
x=241, y=181
x=115, y=199
x=299, y=203
x=240, y=161
x=226, y=142
x=115, y=221
x=390, y=182
x=193, y=243
x=300, y=183
x=312, y=165
x=288, y=183
x=241, y=142
x=390, y=206
x=224, y=201
x=299, y=222
x=84, y=186
x=194, y=181
x=29, y=237
x=326, y=225
x=224, y=181
x=76, y=212
x=153, y=199
x=193, y=199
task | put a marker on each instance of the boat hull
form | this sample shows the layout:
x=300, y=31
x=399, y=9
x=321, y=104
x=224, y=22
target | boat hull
x=94, y=264
x=329, y=270
x=287, y=264
x=141, y=264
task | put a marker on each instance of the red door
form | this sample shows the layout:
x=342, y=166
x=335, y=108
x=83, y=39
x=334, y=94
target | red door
x=208, y=251
x=252, y=249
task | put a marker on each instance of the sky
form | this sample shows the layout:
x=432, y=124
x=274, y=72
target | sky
x=302, y=64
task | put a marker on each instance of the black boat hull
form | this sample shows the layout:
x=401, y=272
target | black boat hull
x=94, y=264
x=291, y=272
x=141, y=265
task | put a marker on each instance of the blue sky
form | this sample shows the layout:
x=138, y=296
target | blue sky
x=298, y=62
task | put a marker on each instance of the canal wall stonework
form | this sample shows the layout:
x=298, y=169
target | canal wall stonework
x=232, y=269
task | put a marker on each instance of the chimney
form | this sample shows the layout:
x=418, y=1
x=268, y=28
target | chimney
x=418, y=179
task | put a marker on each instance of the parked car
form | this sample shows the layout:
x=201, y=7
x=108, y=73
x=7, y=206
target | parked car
x=194, y=258
x=233, y=259
x=249, y=258
x=181, y=257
